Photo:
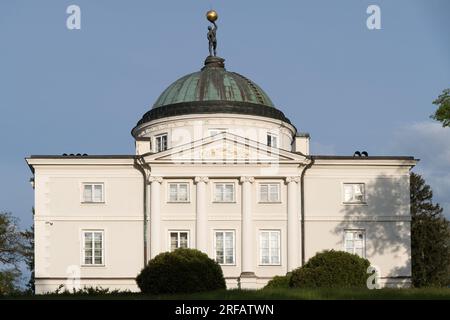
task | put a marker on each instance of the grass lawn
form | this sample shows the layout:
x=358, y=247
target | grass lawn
x=321, y=294
x=276, y=294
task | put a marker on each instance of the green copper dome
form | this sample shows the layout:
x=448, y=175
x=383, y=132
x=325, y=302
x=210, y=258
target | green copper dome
x=213, y=83
x=213, y=90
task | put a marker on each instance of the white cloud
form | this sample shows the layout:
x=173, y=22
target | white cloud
x=429, y=142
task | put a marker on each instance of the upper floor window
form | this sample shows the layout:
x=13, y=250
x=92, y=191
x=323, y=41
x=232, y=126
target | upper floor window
x=224, y=192
x=161, y=142
x=224, y=247
x=179, y=239
x=179, y=192
x=269, y=192
x=213, y=132
x=354, y=193
x=272, y=140
x=355, y=242
x=93, y=247
x=269, y=246
x=93, y=192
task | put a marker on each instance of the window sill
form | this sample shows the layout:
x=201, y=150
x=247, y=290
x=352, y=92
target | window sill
x=224, y=202
x=175, y=202
x=228, y=265
x=354, y=203
x=269, y=265
x=93, y=202
x=270, y=202
x=93, y=265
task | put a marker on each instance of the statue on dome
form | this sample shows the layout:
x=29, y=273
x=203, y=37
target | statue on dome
x=212, y=17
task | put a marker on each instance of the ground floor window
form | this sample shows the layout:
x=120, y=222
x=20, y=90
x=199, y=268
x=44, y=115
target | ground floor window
x=269, y=247
x=179, y=239
x=355, y=242
x=224, y=247
x=93, y=247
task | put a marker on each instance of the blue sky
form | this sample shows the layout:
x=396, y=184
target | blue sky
x=351, y=88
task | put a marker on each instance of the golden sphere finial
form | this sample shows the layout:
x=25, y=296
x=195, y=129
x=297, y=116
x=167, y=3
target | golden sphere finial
x=212, y=16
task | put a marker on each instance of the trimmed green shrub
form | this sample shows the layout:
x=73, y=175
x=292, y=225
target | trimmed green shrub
x=181, y=271
x=331, y=269
x=279, y=282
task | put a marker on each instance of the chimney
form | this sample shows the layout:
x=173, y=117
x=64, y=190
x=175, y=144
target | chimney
x=301, y=143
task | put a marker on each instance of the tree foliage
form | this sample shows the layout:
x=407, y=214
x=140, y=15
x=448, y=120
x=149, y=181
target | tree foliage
x=9, y=279
x=28, y=255
x=442, y=114
x=11, y=249
x=430, y=237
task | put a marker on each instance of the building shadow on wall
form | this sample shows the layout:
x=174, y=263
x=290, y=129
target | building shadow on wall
x=385, y=218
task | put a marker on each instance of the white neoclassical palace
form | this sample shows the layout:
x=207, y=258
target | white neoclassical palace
x=218, y=168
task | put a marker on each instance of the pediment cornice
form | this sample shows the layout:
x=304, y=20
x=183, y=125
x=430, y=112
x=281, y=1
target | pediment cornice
x=225, y=148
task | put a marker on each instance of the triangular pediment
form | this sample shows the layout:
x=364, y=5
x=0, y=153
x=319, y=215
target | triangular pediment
x=225, y=148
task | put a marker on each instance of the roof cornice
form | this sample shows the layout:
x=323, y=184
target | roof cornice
x=212, y=107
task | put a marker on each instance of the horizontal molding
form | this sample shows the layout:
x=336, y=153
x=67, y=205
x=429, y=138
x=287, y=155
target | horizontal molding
x=228, y=218
x=80, y=173
x=223, y=218
x=268, y=217
x=361, y=218
x=88, y=218
x=258, y=217
x=349, y=174
x=181, y=219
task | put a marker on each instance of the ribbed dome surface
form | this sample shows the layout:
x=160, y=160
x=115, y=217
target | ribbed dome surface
x=213, y=83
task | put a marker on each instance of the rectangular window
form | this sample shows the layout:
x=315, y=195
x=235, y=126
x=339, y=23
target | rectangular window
x=355, y=242
x=269, y=247
x=93, y=192
x=178, y=192
x=179, y=239
x=224, y=192
x=93, y=248
x=161, y=142
x=213, y=132
x=354, y=193
x=224, y=247
x=272, y=140
x=269, y=192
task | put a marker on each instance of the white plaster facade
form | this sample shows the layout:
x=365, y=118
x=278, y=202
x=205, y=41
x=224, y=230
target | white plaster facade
x=135, y=215
x=61, y=215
